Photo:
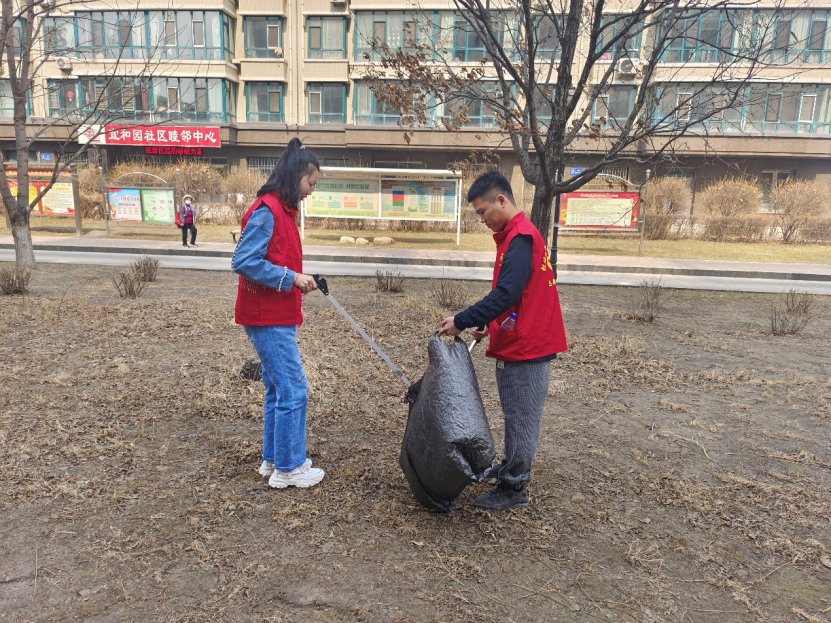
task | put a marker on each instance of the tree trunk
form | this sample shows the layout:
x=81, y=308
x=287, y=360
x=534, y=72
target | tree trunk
x=541, y=210
x=24, y=253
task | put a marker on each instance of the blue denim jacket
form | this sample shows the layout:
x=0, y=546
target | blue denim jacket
x=249, y=258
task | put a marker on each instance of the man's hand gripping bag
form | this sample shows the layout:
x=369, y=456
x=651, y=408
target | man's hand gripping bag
x=448, y=443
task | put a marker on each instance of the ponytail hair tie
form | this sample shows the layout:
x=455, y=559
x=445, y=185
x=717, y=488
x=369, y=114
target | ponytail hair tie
x=302, y=147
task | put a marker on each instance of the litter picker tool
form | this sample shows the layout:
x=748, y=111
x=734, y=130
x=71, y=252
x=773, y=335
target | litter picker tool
x=323, y=287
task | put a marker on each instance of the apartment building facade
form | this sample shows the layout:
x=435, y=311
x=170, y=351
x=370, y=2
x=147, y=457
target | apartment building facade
x=264, y=71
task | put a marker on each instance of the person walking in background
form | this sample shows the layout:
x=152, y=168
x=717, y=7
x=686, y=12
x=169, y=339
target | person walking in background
x=186, y=214
x=269, y=261
x=523, y=318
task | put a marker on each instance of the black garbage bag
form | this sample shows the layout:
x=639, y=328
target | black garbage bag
x=448, y=443
x=252, y=370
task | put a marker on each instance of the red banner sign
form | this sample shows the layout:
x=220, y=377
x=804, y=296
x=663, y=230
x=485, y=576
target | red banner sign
x=162, y=136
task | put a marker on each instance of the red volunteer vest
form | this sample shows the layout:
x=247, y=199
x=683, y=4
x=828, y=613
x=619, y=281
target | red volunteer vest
x=259, y=305
x=539, y=329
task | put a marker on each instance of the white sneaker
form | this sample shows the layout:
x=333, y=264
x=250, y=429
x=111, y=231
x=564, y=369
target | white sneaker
x=302, y=477
x=267, y=468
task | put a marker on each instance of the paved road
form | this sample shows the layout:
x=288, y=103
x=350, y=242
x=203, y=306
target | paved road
x=364, y=269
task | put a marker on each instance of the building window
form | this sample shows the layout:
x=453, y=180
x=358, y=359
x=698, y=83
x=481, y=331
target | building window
x=468, y=47
x=62, y=96
x=548, y=43
x=198, y=34
x=6, y=99
x=173, y=35
x=615, y=105
x=621, y=173
x=170, y=29
x=263, y=36
x=59, y=35
x=790, y=36
x=472, y=112
x=327, y=103
x=544, y=104
x=265, y=165
x=774, y=179
x=630, y=47
x=792, y=108
x=17, y=34
x=757, y=108
x=819, y=44
x=327, y=37
x=334, y=162
x=264, y=101
x=401, y=30
x=201, y=99
x=369, y=110
x=111, y=35
x=708, y=37
x=145, y=99
x=173, y=99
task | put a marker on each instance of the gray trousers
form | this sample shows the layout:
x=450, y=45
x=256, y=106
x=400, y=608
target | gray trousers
x=523, y=389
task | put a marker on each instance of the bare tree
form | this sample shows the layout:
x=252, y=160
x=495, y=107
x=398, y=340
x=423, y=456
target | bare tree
x=611, y=79
x=30, y=35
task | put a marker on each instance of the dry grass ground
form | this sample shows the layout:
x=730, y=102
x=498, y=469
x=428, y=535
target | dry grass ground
x=683, y=472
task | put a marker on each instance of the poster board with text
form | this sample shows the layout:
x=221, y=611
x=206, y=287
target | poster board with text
x=599, y=210
x=417, y=199
x=344, y=198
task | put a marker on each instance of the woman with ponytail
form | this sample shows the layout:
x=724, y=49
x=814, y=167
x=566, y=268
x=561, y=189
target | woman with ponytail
x=269, y=262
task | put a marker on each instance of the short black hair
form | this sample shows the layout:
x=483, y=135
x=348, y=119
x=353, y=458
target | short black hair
x=489, y=182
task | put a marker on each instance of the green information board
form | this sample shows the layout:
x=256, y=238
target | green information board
x=158, y=205
x=345, y=198
x=411, y=199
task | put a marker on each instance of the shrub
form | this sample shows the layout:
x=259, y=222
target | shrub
x=389, y=281
x=14, y=280
x=748, y=228
x=732, y=197
x=145, y=268
x=816, y=231
x=240, y=189
x=89, y=190
x=668, y=195
x=795, y=204
x=667, y=199
x=647, y=302
x=791, y=313
x=129, y=285
x=449, y=294
x=660, y=226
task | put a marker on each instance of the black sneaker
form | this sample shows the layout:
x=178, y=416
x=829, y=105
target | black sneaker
x=502, y=498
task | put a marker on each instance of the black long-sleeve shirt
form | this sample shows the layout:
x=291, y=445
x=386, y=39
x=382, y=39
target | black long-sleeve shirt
x=513, y=277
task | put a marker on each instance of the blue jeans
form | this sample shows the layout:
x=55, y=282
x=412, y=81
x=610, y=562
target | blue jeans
x=286, y=398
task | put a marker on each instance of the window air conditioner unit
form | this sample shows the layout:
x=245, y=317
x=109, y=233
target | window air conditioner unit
x=627, y=67
x=64, y=63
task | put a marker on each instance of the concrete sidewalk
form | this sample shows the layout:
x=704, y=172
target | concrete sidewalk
x=567, y=263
